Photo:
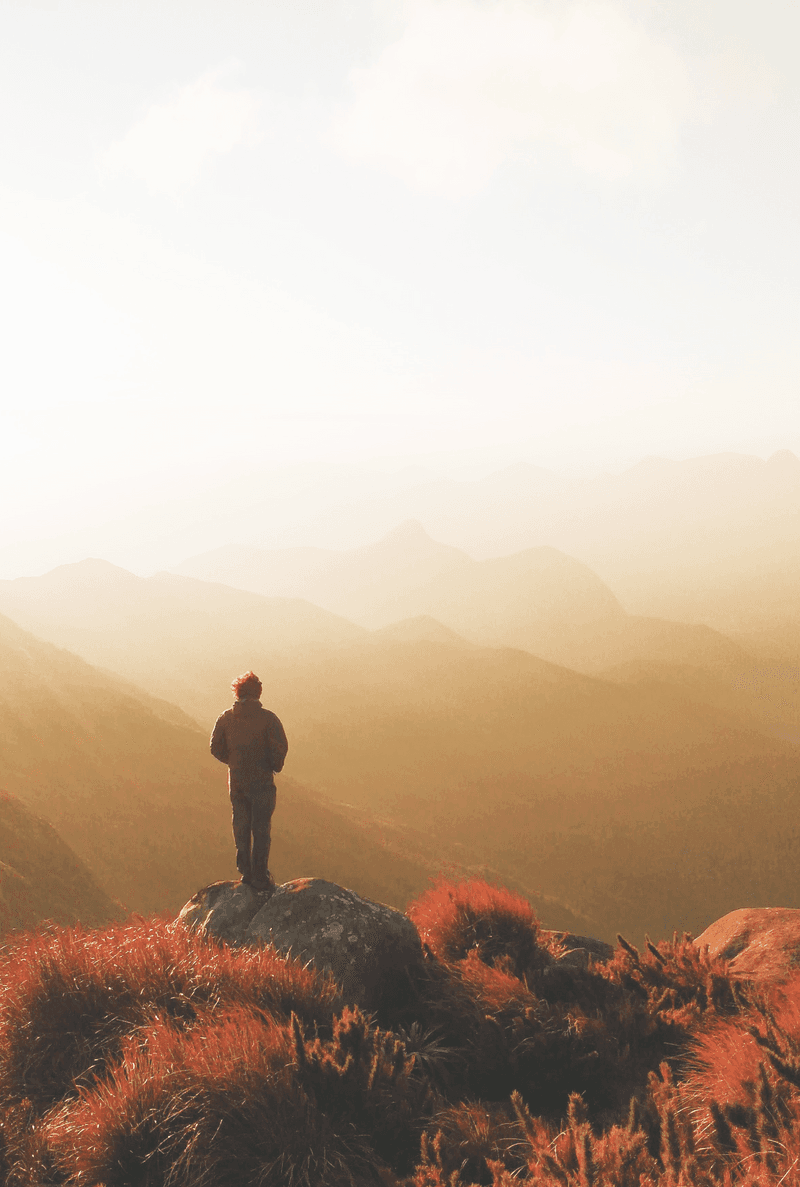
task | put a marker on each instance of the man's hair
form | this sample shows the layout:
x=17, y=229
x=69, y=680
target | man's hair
x=247, y=685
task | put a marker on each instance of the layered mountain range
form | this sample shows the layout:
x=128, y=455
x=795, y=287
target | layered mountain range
x=429, y=742
x=540, y=599
x=183, y=638
x=589, y=691
x=713, y=540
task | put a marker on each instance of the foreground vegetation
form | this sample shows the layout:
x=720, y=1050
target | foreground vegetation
x=143, y=1056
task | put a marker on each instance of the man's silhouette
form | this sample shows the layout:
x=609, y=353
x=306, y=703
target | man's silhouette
x=251, y=741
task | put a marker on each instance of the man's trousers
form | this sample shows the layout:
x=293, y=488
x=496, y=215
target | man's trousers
x=252, y=831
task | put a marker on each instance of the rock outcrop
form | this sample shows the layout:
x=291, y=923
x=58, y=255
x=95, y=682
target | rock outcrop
x=370, y=949
x=579, y=951
x=760, y=942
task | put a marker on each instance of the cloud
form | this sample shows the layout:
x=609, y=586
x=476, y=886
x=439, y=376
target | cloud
x=168, y=147
x=471, y=84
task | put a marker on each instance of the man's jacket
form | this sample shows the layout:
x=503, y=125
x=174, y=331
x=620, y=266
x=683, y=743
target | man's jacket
x=252, y=742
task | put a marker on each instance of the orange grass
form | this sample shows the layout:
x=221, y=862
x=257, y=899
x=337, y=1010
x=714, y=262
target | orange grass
x=142, y=1056
x=244, y=1099
x=68, y=997
x=221, y=1105
x=456, y=918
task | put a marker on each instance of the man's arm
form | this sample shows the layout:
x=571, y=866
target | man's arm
x=219, y=743
x=278, y=746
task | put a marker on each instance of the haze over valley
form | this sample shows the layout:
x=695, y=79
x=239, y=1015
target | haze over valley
x=506, y=714
x=710, y=540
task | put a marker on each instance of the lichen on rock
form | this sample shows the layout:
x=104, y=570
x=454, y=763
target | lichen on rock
x=370, y=949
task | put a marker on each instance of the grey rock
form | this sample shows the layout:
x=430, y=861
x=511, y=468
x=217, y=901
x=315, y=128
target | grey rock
x=580, y=949
x=370, y=949
x=223, y=910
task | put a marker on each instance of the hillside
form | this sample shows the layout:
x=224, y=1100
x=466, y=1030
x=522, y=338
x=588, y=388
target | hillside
x=749, y=590
x=422, y=628
x=391, y=722
x=460, y=749
x=558, y=609
x=177, y=635
x=368, y=583
x=41, y=878
x=484, y=759
x=713, y=540
x=692, y=509
x=643, y=859
x=527, y=592
x=118, y=773
x=375, y=720
x=372, y=716
x=128, y=782
x=763, y=691
x=391, y=859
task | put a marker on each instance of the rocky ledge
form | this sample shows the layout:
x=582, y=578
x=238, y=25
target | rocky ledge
x=370, y=949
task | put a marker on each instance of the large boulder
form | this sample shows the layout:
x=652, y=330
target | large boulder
x=760, y=942
x=371, y=950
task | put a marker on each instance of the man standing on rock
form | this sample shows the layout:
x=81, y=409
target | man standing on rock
x=252, y=742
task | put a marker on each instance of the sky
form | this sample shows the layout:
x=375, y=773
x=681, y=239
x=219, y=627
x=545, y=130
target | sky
x=239, y=237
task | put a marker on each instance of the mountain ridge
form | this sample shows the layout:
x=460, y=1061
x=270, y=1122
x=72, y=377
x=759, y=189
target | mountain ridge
x=42, y=878
x=539, y=599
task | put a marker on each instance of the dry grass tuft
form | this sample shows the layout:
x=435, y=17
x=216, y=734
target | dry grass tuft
x=144, y=1056
x=69, y=998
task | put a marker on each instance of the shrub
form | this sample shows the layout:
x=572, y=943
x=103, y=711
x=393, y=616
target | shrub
x=363, y=1077
x=220, y=1105
x=743, y=1079
x=240, y=1100
x=454, y=919
x=679, y=982
x=526, y=1025
x=466, y=1139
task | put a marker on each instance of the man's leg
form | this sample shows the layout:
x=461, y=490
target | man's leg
x=261, y=823
x=242, y=822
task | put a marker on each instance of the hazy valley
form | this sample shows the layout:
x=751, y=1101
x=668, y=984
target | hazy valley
x=507, y=714
x=128, y=783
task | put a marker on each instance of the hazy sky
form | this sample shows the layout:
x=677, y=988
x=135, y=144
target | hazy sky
x=263, y=232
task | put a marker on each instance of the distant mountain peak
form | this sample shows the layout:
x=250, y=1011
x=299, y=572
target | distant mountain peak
x=408, y=543
x=420, y=629
x=407, y=531
x=93, y=564
x=784, y=459
x=90, y=571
